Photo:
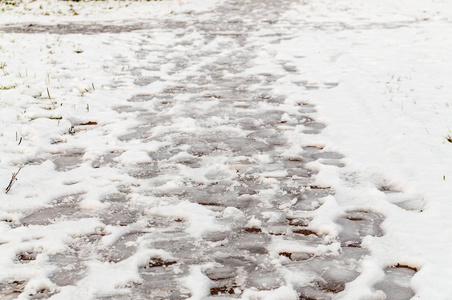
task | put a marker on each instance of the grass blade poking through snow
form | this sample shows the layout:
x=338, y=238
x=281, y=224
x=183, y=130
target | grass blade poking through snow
x=51, y=102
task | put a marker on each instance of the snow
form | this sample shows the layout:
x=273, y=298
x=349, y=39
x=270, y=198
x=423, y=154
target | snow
x=375, y=73
x=281, y=293
x=111, y=12
x=200, y=219
x=198, y=283
x=390, y=117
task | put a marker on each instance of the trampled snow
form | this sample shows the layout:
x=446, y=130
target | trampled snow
x=226, y=149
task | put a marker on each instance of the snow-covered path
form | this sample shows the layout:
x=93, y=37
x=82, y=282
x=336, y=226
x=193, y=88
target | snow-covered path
x=183, y=156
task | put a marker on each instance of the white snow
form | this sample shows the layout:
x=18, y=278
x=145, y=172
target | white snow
x=390, y=117
x=282, y=293
x=111, y=12
x=200, y=219
x=198, y=283
x=382, y=69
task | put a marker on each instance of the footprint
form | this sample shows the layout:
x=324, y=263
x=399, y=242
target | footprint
x=402, y=200
x=396, y=283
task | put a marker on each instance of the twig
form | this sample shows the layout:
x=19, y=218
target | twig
x=13, y=179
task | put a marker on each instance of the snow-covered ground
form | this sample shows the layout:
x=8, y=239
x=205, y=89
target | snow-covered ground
x=391, y=116
x=162, y=146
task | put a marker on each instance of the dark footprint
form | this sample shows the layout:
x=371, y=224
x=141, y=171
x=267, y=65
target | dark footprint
x=64, y=206
x=331, y=274
x=11, y=290
x=68, y=160
x=70, y=268
x=358, y=224
x=396, y=284
x=224, y=282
